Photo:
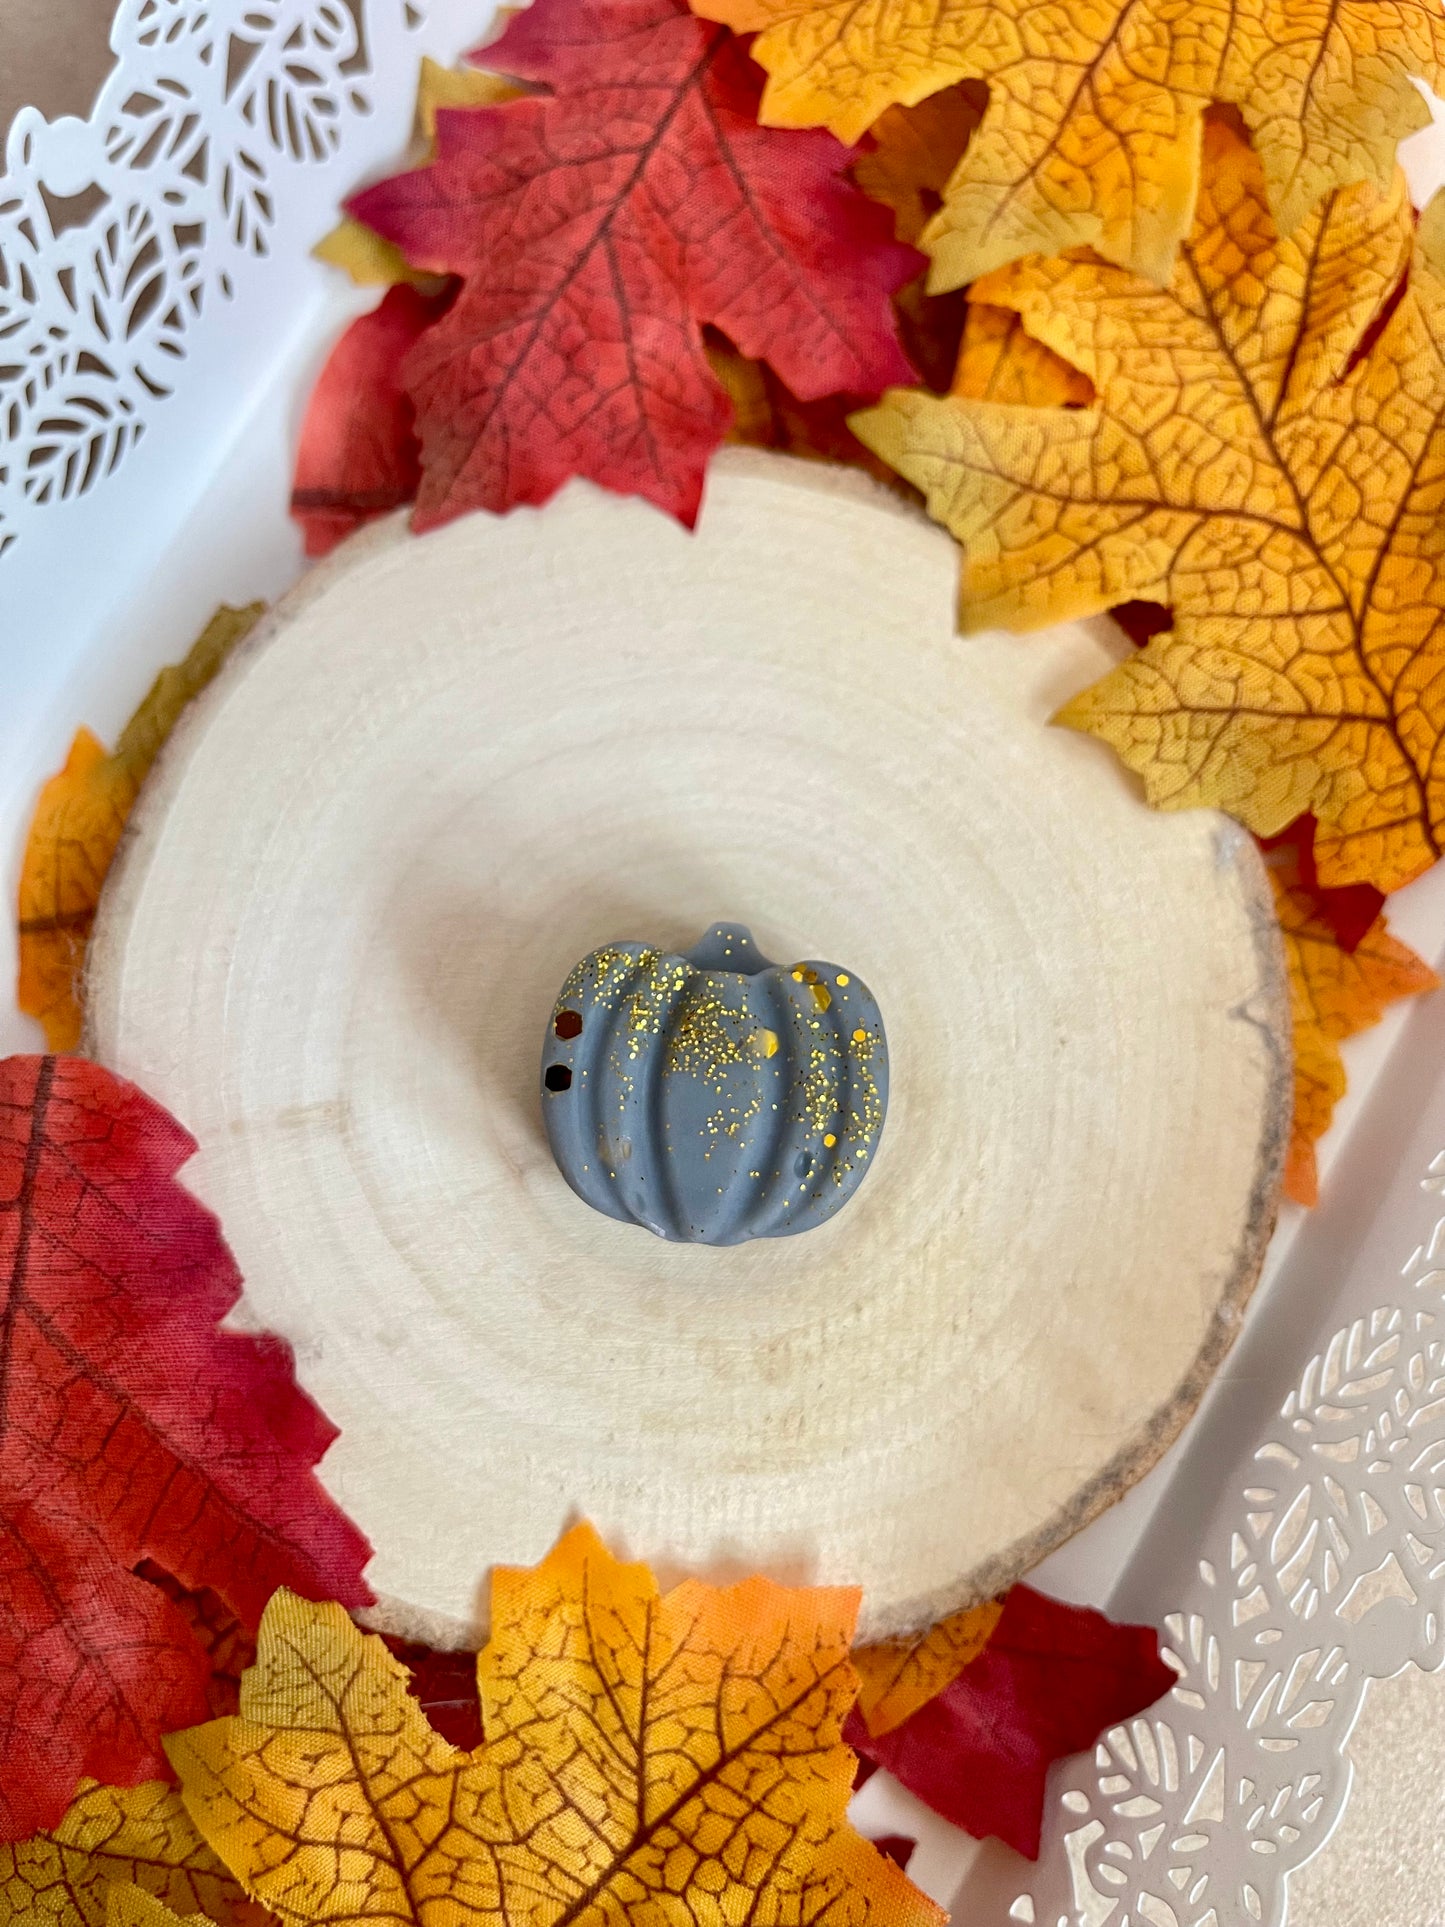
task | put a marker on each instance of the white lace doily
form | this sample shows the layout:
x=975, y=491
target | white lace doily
x=1318, y=1545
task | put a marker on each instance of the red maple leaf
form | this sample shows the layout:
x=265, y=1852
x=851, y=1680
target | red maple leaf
x=1051, y=1679
x=444, y=1684
x=359, y=456
x=598, y=228
x=131, y=1430
x=1348, y=910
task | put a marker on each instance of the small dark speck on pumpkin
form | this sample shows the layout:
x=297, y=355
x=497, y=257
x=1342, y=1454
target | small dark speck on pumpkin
x=568, y=1023
x=557, y=1078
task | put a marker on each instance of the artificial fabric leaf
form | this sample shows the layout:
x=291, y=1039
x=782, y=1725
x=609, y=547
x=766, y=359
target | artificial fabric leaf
x=912, y=153
x=451, y=87
x=1051, y=1679
x=598, y=229
x=444, y=1685
x=77, y=825
x=898, y=1676
x=358, y=250
x=368, y=261
x=1333, y=994
x=131, y=1906
x=1091, y=135
x=1244, y=467
x=118, y=1836
x=1000, y=361
x=131, y=1428
x=228, y=1647
x=1349, y=911
x=646, y=1756
x=899, y=1847
x=767, y=415
x=907, y=161
x=359, y=456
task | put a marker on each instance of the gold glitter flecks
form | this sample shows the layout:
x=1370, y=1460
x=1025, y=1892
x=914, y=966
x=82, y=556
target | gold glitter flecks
x=763, y=1043
x=829, y=1140
x=844, y=978
x=818, y=1098
x=654, y=989
x=602, y=973
x=708, y=1035
x=865, y=1119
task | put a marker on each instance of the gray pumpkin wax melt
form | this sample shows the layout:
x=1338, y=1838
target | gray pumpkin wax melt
x=714, y=1097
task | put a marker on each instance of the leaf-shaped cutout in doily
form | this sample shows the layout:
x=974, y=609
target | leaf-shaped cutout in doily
x=1092, y=131
x=598, y=228
x=1249, y=467
x=646, y=1756
x=78, y=822
x=131, y=1428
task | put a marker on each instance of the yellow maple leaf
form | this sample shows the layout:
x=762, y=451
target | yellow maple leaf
x=898, y=1676
x=78, y=822
x=359, y=251
x=647, y=1757
x=131, y=1906
x=1333, y=994
x=1242, y=466
x=111, y=1836
x=1092, y=131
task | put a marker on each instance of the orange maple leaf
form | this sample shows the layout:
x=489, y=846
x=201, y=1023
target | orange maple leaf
x=677, y=1754
x=1333, y=994
x=1244, y=464
x=78, y=822
x=1000, y=361
x=140, y=1837
x=913, y=151
x=901, y=1675
x=1091, y=134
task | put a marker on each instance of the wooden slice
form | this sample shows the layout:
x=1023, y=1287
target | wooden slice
x=450, y=766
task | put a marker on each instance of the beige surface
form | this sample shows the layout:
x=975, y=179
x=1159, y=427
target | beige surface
x=454, y=765
x=1384, y=1865
x=54, y=54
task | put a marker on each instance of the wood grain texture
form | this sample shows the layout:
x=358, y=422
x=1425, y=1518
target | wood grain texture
x=451, y=765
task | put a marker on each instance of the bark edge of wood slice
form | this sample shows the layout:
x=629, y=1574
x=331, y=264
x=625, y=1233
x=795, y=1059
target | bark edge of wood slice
x=448, y=766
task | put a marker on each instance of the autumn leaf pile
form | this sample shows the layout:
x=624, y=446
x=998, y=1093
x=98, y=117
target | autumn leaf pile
x=133, y=1432
x=1132, y=298
x=629, y=1751
x=1174, y=349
